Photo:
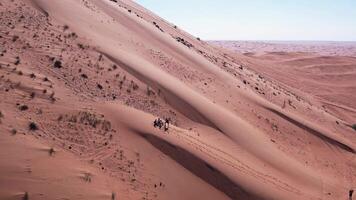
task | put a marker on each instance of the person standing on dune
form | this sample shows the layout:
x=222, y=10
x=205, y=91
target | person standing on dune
x=166, y=124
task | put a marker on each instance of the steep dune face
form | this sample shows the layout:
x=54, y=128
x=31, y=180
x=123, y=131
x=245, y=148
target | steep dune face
x=96, y=74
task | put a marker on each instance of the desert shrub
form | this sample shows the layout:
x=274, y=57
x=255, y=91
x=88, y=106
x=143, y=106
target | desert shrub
x=51, y=151
x=32, y=75
x=23, y=107
x=354, y=127
x=1, y=115
x=13, y=131
x=25, y=196
x=99, y=86
x=135, y=86
x=33, y=126
x=60, y=117
x=32, y=95
x=121, y=83
x=113, y=196
x=149, y=91
x=84, y=76
x=81, y=46
x=74, y=35
x=87, y=177
x=17, y=62
x=14, y=38
x=52, y=98
x=57, y=64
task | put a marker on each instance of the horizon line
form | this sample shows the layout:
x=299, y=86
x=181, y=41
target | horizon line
x=282, y=40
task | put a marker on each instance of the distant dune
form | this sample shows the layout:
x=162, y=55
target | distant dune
x=82, y=82
x=331, y=48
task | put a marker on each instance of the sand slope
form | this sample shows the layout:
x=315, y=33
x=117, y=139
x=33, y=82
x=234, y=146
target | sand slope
x=93, y=75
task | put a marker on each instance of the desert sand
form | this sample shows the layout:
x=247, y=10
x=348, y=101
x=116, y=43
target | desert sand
x=81, y=83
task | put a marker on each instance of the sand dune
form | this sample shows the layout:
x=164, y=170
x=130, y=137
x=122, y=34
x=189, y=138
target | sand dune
x=82, y=82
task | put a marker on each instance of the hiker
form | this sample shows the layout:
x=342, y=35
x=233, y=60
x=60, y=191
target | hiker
x=350, y=194
x=166, y=124
x=160, y=123
x=155, y=123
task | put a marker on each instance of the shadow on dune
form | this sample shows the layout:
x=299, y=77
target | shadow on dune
x=200, y=168
x=314, y=132
x=39, y=8
x=173, y=100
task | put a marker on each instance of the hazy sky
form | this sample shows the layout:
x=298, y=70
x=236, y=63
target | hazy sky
x=261, y=19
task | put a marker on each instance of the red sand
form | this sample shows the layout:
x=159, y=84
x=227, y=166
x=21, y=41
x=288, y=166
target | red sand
x=92, y=76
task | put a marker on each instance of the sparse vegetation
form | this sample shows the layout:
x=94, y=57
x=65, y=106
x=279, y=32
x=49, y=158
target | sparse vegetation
x=52, y=98
x=186, y=43
x=23, y=107
x=84, y=76
x=33, y=126
x=149, y=91
x=17, y=62
x=87, y=177
x=99, y=86
x=32, y=95
x=13, y=131
x=134, y=85
x=14, y=38
x=354, y=127
x=81, y=46
x=65, y=27
x=113, y=196
x=57, y=64
x=51, y=151
x=25, y=196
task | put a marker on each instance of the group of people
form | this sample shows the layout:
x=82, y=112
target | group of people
x=159, y=123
